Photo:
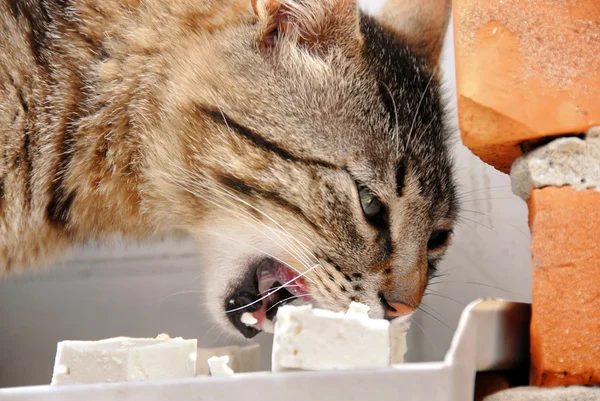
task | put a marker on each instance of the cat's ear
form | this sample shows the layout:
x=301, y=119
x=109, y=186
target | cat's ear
x=316, y=24
x=421, y=23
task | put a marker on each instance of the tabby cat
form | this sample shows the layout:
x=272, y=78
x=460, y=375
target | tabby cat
x=303, y=143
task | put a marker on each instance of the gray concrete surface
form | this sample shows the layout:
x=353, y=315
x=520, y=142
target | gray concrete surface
x=556, y=394
x=564, y=161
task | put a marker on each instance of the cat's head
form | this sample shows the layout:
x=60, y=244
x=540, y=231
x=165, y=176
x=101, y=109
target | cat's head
x=313, y=155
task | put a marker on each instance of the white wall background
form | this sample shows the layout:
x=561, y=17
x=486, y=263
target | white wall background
x=144, y=290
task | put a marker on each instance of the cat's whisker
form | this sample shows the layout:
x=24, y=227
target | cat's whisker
x=176, y=294
x=257, y=250
x=287, y=246
x=431, y=292
x=515, y=197
x=324, y=254
x=435, y=318
x=284, y=300
x=286, y=233
x=271, y=292
x=270, y=218
x=439, y=315
x=305, y=236
x=236, y=198
x=479, y=284
x=492, y=188
x=412, y=126
x=476, y=222
x=225, y=121
x=412, y=319
x=247, y=221
x=209, y=330
x=395, y=135
x=289, y=286
x=493, y=217
x=427, y=127
x=279, y=260
x=299, y=252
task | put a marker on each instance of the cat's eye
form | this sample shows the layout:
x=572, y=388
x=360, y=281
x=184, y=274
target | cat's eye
x=372, y=207
x=437, y=239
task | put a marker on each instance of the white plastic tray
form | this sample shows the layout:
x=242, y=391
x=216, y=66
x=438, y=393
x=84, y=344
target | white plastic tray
x=491, y=335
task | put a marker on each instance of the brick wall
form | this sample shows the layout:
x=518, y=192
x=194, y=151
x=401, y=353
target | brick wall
x=527, y=72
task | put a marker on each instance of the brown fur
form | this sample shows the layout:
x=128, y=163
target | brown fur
x=72, y=118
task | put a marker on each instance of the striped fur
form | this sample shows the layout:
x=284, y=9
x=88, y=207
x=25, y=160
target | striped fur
x=245, y=126
x=75, y=105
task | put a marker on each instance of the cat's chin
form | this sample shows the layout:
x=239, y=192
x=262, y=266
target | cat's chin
x=252, y=307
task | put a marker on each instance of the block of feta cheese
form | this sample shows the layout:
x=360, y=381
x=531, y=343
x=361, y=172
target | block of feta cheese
x=241, y=359
x=218, y=366
x=398, y=333
x=317, y=339
x=124, y=359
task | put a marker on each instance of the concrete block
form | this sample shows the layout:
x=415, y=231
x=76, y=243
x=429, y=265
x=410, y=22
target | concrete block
x=564, y=161
x=555, y=394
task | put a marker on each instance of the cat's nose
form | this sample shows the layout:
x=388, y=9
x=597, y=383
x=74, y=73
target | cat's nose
x=403, y=286
x=395, y=309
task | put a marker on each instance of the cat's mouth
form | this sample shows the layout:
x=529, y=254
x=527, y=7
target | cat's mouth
x=269, y=285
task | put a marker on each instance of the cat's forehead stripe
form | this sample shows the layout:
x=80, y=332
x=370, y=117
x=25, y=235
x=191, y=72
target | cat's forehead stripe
x=400, y=176
x=249, y=189
x=219, y=117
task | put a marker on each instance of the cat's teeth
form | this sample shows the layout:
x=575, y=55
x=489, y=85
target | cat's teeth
x=248, y=319
x=296, y=286
x=299, y=292
x=266, y=278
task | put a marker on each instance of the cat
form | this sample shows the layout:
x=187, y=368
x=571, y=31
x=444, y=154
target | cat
x=303, y=143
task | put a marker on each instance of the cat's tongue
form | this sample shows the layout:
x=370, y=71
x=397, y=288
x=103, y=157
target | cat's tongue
x=292, y=282
x=271, y=277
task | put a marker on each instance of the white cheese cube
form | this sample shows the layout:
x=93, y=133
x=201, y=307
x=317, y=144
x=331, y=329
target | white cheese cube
x=398, y=332
x=317, y=339
x=241, y=359
x=218, y=366
x=123, y=359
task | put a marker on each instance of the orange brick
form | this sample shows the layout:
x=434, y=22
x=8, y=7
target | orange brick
x=565, y=326
x=526, y=70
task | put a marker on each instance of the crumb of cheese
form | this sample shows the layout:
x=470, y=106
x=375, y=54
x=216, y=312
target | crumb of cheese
x=218, y=366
